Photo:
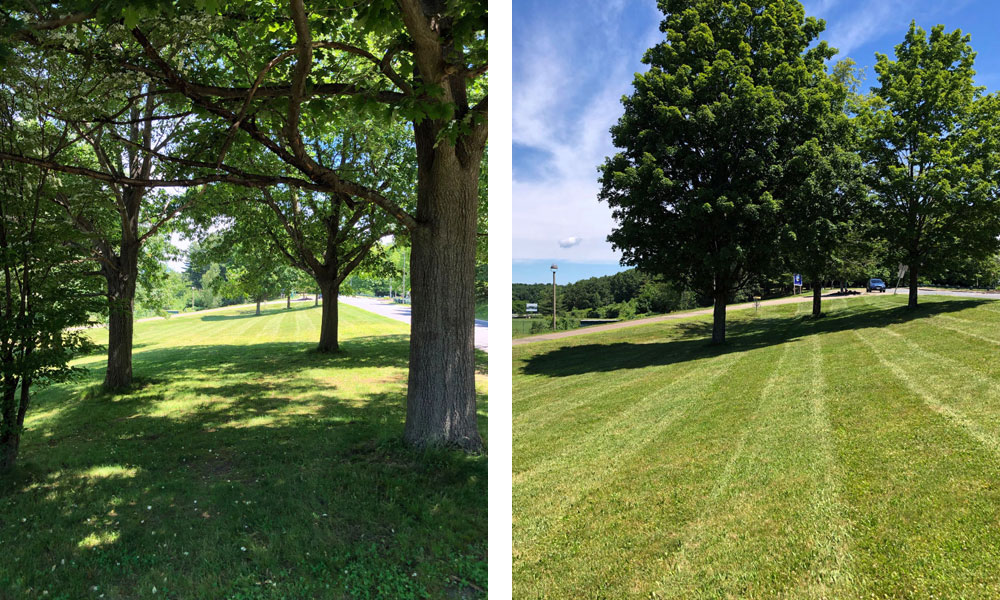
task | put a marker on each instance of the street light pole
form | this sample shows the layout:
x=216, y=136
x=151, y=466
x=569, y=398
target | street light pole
x=554, y=267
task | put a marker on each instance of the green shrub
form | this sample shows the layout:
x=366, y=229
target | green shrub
x=627, y=310
x=562, y=324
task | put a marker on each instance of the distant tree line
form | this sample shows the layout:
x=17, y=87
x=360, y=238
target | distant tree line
x=622, y=295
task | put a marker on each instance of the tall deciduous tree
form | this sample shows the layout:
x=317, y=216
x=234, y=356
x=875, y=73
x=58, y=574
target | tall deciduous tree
x=117, y=135
x=824, y=190
x=706, y=137
x=931, y=137
x=127, y=217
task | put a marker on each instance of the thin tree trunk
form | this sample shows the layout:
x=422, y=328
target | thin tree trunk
x=441, y=395
x=121, y=305
x=817, y=298
x=288, y=304
x=329, y=322
x=719, y=319
x=258, y=307
x=913, y=286
x=10, y=433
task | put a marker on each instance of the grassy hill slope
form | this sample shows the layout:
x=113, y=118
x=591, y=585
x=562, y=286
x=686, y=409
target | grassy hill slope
x=244, y=466
x=852, y=456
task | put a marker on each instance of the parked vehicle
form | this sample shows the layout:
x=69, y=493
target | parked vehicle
x=876, y=284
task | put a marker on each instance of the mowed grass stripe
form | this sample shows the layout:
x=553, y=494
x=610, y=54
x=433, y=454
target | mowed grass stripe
x=636, y=399
x=237, y=460
x=536, y=392
x=867, y=467
x=919, y=494
x=541, y=396
x=628, y=495
x=658, y=349
x=975, y=393
x=937, y=322
x=602, y=455
x=922, y=373
x=831, y=537
x=780, y=487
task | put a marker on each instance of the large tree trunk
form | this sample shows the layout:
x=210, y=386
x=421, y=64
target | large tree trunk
x=441, y=395
x=329, y=324
x=913, y=286
x=817, y=298
x=121, y=304
x=719, y=319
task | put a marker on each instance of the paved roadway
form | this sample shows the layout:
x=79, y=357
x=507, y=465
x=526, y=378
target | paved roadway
x=401, y=312
x=928, y=291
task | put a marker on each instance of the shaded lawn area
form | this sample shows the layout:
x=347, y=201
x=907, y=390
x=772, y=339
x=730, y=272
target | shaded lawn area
x=857, y=455
x=243, y=466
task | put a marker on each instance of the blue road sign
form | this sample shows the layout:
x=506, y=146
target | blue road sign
x=797, y=279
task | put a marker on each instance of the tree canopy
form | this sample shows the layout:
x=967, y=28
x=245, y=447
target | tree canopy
x=253, y=93
x=706, y=138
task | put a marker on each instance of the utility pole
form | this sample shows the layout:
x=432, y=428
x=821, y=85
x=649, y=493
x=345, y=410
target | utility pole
x=554, y=267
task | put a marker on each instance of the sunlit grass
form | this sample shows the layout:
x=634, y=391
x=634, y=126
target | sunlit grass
x=242, y=465
x=852, y=456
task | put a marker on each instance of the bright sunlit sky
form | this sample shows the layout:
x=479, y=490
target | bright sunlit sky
x=575, y=59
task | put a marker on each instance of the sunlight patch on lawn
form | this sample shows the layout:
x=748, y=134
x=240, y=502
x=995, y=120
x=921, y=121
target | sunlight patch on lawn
x=98, y=538
x=40, y=418
x=108, y=471
x=261, y=421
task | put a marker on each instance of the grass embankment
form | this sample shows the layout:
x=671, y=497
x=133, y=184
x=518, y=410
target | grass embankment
x=482, y=310
x=244, y=466
x=852, y=456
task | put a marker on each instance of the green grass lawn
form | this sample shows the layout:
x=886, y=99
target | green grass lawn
x=854, y=456
x=245, y=466
x=483, y=310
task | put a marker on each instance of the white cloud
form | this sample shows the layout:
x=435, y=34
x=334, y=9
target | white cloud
x=568, y=84
x=569, y=242
x=859, y=27
x=852, y=25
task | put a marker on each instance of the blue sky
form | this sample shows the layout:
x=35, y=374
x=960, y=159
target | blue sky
x=573, y=61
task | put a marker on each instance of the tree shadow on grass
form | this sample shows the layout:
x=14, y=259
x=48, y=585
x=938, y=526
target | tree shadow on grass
x=691, y=340
x=252, y=312
x=371, y=351
x=269, y=488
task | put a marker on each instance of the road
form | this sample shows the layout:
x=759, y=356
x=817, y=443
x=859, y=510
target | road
x=928, y=291
x=401, y=312
x=744, y=306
